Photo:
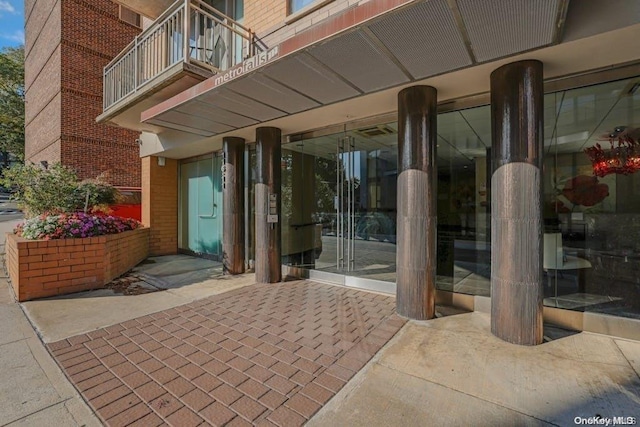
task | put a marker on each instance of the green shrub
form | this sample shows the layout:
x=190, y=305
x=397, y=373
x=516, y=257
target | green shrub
x=99, y=193
x=55, y=190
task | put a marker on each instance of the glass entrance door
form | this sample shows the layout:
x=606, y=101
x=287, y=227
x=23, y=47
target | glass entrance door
x=346, y=186
x=339, y=202
x=201, y=206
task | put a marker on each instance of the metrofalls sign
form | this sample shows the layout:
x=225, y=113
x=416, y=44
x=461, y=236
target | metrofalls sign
x=248, y=65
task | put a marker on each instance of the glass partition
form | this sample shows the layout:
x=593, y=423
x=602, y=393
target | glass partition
x=464, y=236
x=592, y=223
x=339, y=202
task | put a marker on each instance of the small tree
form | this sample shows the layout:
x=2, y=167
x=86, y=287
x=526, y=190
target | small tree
x=12, y=102
x=55, y=190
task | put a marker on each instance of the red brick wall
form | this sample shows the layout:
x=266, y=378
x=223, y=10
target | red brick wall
x=68, y=43
x=124, y=251
x=92, y=34
x=160, y=204
x=44, y=268
x=42, y=80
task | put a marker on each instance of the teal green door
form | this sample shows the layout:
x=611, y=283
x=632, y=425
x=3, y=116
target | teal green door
x=201, y=206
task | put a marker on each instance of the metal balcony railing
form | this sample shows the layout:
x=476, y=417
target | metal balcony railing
x=189, y=31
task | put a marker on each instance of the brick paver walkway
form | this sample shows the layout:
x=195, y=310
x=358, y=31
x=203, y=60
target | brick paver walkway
x=263, y=355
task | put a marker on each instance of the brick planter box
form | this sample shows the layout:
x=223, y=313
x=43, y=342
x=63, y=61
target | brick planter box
x=44, y=268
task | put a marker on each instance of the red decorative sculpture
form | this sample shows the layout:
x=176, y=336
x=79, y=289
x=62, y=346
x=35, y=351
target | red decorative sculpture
x=622, y=158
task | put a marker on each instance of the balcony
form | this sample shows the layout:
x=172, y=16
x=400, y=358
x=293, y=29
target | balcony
x=149, y=8
x=188, y=43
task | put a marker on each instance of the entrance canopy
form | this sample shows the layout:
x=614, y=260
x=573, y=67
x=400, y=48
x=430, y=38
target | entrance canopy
x=375, y=46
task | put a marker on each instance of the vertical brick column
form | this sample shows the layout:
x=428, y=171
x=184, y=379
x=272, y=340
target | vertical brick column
x=160, y=204
x=67, y=45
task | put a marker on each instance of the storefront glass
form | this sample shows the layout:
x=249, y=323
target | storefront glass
x=592, y=223
x=464, y=237
x=339, y=201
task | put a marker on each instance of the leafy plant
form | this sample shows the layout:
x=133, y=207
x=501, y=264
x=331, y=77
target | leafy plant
x=95, y=192
x=55, y=190
x=12, y=102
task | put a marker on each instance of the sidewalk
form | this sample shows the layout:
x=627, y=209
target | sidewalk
x=214, y=350
x=261, y=354
x=453, y=371
x=33, y=390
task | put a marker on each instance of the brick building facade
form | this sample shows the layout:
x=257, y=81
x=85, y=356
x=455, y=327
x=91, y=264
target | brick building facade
x=68, y=43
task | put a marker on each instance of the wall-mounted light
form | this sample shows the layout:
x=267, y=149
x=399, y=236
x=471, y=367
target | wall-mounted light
x=161, y=161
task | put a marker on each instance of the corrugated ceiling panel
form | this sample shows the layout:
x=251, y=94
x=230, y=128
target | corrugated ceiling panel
x=424, y=38
x=170, y=125
x=194, y=122
x=239, y=104
x=499, y=28
x=589, y=17
x=269, y=92
x=308, y=76
x=358, y=60
x=219, y=115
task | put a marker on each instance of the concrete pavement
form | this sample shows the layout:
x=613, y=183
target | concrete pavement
x=182, y=279
x=453, y=371
x=33, y=390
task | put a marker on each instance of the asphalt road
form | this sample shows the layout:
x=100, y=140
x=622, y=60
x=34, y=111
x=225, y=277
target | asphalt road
x=8, y=210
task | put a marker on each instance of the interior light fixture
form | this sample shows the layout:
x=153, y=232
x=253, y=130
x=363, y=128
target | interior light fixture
x=623, y=156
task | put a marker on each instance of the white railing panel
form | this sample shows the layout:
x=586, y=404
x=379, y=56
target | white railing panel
x=189, y=31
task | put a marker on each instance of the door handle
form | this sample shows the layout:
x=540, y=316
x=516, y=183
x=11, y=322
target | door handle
x=213, y=215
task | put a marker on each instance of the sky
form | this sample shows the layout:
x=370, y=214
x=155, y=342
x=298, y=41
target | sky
x=11, y=23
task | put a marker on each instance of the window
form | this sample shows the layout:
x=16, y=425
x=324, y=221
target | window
x=591, y=247
x=296, y=5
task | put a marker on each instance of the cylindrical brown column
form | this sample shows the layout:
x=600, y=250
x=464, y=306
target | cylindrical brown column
x=516, y=202
x=267, y=189
x=233, y=206
x=416, y=233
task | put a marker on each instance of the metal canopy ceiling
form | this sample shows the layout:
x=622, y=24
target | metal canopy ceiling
x=417, y=40
x=424, y=38
x=499, y=28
